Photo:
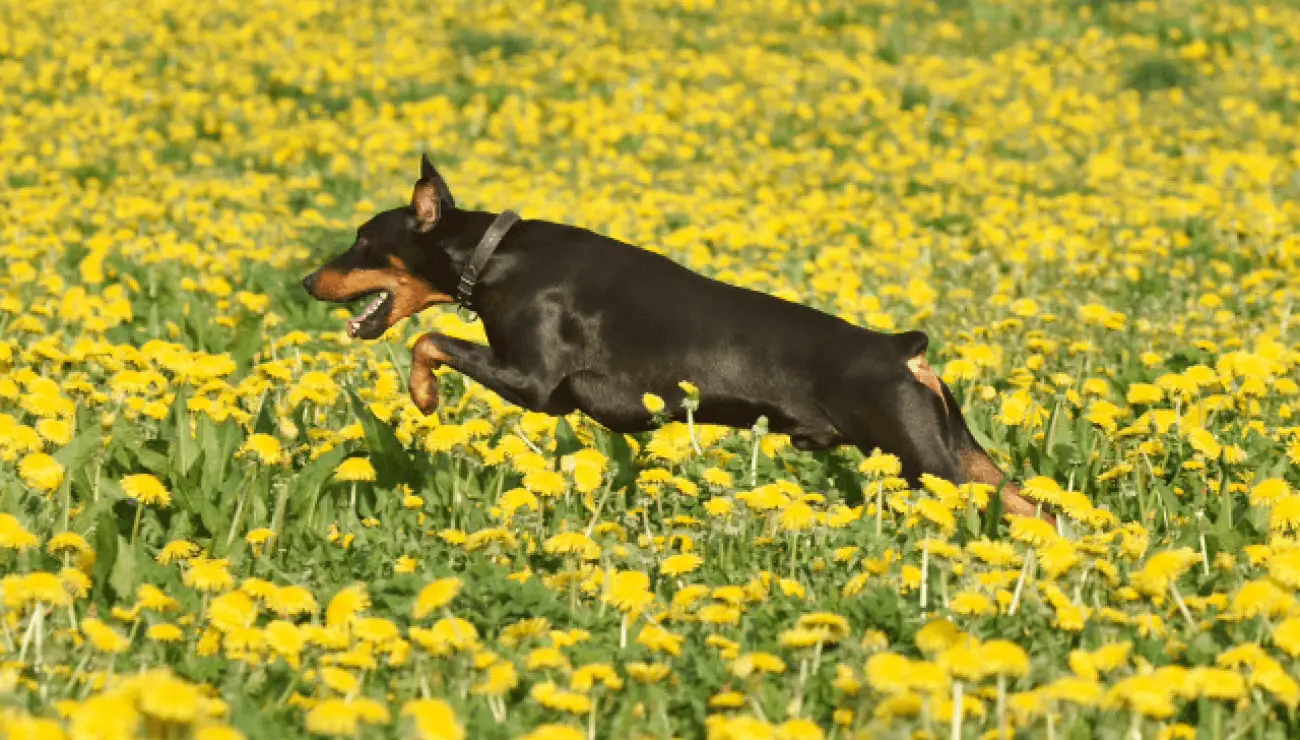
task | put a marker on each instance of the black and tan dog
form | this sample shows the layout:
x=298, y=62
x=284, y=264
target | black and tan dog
x=576, y=320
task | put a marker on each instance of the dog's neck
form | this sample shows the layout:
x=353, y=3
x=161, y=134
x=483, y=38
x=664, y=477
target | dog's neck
x=457, y=235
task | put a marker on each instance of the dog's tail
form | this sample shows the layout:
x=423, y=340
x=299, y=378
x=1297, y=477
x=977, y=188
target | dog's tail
x=976, y=465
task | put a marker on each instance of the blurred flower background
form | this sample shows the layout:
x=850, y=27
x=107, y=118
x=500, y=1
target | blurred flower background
x=223, y=518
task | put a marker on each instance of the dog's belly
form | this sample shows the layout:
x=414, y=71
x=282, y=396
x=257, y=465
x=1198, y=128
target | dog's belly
x=617, y=405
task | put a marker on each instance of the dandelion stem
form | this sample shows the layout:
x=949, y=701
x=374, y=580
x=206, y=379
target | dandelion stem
x=1020, y=583
x=925, y=571
x=1002, y=708
x=796, y=705
x=794, y=552
x=239, y=508
x=690, y=427
x=67, y=503
x=880, y=505
x=600, y=505
x=4, y=624
x=288, y=690
x=135, y=527
x=401, y=376
x=277, y=518
x=1182, y=605
x=956, y=710
x=520, y=431
x=33, y=624
x=760, y=427
x=1205, y=556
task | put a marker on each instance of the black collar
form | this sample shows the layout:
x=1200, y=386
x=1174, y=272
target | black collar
x=482, y=253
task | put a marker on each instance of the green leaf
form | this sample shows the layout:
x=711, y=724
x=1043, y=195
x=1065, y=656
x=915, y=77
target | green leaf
x=993, y=516
x=614, y=446
x=122, y=577
x=566, y=442
x=106, y=540
x=392, y=464
x=80, y=450
x=185, y=451
x=307, y=483
x=248, y=340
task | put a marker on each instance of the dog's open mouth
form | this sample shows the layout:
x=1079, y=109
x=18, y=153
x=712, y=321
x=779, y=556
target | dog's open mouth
x=373, y=320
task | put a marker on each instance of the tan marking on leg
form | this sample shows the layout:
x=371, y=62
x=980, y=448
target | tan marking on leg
x=425, y=358
x=928, y=377
x=978, y=468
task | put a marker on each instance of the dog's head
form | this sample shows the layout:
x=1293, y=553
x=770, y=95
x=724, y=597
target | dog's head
x=391, y=261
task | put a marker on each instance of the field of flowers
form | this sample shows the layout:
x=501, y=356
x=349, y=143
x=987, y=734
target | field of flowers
x=220, y=517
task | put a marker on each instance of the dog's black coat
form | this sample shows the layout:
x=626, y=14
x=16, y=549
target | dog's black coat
x=576, y=320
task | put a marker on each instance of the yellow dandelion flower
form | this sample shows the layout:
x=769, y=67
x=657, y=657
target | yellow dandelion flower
x=59, y=544
x=587, y=676
x=501, y=678
x=40, y=472
x=938, y=635
x=555, y=732
x=166, y=633
x=146, y=489
x=652, y=403
x=14, y=536
x=355, y=470
x=264, y=448
x=658, y=639
x=727, y=700
x=102, y=637
x=208, y=575
x=347, y=605
x=752, y=663
x=177, y=551
x=971, y=603
x=880, y=465
x=435, y=596
x=677, y=565
x=648, y=673
x=433, y=719
x=552, y=696
x=291, y=601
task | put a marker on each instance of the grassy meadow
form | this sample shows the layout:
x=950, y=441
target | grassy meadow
x=220, y=517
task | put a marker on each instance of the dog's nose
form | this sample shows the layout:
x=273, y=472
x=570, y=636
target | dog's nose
x=309, y=283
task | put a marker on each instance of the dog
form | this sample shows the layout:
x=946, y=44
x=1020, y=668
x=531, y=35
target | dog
x=580, y=321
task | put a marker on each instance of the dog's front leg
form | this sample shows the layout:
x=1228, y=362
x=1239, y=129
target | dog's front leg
x=478, y=362
x=425, y=358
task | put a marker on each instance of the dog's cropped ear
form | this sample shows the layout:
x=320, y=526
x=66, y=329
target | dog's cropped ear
x=429, y=174
x=431, y=197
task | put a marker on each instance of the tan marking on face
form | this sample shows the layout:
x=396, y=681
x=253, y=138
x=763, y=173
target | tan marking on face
x=425, y=358
x=976, y=467
x=411, y=294
x=928, y=377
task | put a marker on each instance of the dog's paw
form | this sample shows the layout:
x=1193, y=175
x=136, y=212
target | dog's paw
x=424, y=393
